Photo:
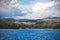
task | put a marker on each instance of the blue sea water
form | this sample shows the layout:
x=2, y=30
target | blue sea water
x=29, y=34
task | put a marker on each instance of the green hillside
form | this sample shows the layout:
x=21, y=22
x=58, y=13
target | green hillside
x=50, y=23
x=47, y=23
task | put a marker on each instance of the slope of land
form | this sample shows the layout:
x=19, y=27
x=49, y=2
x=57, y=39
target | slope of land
x=47, y=23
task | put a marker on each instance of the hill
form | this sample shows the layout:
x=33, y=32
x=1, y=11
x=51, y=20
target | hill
x=46, y=23
x=51, y=22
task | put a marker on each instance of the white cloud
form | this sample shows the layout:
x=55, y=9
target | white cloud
x=42, y=6
x=4, y=7
x=22, y=8
x=39, y=10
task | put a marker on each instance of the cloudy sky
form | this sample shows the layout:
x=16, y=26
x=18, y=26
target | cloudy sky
x=29, y=9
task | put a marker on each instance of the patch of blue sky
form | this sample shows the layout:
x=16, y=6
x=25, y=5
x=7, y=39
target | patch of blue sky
x=17, y=12
x=27, y=2
x=14, y=12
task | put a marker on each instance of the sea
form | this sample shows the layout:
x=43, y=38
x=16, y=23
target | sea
x=29, y=34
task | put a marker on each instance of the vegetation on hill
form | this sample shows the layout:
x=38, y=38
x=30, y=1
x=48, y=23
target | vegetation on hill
x=53, y=23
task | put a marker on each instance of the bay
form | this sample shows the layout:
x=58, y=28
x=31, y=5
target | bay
x=29, y=34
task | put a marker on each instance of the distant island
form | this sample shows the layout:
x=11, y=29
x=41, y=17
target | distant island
x=46, y=23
